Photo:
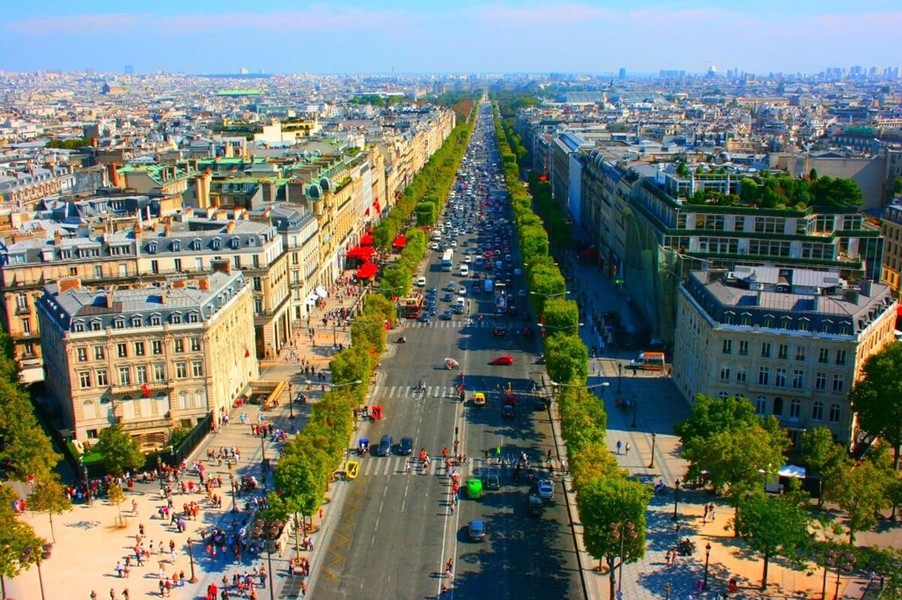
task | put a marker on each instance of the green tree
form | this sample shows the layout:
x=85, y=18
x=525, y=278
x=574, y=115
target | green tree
x=566, y=357
x=709, y=416
x=773, y=526
x=15, y=537
x=897, y=185
x=606, y=506
x=877, y=397
x=820, y=452
x=861, y=489
x=739, y=459
x=116, y=496
x=48, y=495
x=301, y=477
x=120, y=450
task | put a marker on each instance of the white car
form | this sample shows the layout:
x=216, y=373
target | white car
x=468, y=259
x=421, y=282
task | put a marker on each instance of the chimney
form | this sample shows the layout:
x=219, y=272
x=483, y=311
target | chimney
x=163, y=290
x=202, y=188
x=865, y=287
x=166, y=229
x=110, y=296
x=137, y=231
x=113, y=172
x=69, y=283
x=230, y=227
x=57, y=237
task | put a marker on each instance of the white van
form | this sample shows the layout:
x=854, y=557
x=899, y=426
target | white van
x=464, y=271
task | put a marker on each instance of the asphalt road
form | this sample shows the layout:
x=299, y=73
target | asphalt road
x=396, y=529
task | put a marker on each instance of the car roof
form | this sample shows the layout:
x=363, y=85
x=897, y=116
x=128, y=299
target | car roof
x=477, y=524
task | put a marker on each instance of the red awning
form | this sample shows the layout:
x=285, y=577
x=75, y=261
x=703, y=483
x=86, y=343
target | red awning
x=400, y=241
x=361, y=252
x=899, y=311
x=367, y=271
x=366, y=240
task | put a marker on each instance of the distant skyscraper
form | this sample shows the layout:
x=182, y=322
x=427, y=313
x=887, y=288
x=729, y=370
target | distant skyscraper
x=129, y=70
x=622, y=72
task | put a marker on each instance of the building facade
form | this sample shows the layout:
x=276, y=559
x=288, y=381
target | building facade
x=891, y=229
x=150, y=358
x=793, y=341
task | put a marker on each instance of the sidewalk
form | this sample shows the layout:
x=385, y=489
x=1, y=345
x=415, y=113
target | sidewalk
x=73, y=572
x=658, y=408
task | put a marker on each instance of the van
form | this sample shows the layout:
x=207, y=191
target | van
x=648, y=361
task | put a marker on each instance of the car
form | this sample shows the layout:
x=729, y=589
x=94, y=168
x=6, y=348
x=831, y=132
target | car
x=423, y=318
x=504, y=360
x=508, y=411
x=545, y=490
x=384, y=447
x=479, y=399
x=476, y=530
x=462, y=290
x=451, y=286
x=492, y=481
x=421, y=282
x=474, y=488
x=405, y=448
x=447, y=296
x=446, y=315
x=433, y=290
x=434, y=245
x=536, y=506
x=499, y=332
x=468, y=259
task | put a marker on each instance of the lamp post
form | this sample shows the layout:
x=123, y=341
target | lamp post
x=676, y=499
x=191, y=558
x=654, y=439
x=84, y=469
x=290, y=400
x=635, y=410
x=619, y=376
x=263, y=450
x=160, y=471
x=707, y=556
x=269, y=546
x=234, y=493
x=621, y=532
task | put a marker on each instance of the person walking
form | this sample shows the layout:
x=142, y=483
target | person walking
x=619, y=446
x=627, y=448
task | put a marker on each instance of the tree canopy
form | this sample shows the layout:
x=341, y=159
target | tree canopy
x=120, y=450
x=877, y=397
x=773, y=526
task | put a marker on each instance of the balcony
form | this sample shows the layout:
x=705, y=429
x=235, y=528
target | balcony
x=139, y=425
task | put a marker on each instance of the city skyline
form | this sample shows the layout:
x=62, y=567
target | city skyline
x=404, y=37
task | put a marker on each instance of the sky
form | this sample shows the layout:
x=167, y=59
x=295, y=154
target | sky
x=460, y=36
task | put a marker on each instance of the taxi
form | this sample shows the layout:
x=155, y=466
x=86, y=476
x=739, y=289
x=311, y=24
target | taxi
x=479, y=399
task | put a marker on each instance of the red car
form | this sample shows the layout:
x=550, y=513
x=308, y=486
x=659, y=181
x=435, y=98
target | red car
x=500, y=331
x=504, y=359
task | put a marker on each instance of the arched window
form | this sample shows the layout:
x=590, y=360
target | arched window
x=817, y=410
x=723, y=395
x=778, y=406
x=795, y=408
x=761, y=405
x=834, y=413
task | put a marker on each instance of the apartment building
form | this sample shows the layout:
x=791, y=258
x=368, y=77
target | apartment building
x=793, y=341
x=99, y=257
x=151, y=358
x=891, y=229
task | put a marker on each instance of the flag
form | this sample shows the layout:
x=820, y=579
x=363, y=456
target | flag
x=145, y=390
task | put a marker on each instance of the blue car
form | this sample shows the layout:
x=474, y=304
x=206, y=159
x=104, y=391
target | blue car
x=423, y=318
x=445, y=316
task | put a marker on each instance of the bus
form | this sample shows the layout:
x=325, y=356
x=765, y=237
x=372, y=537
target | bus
x=448, y=260
x=412, y=305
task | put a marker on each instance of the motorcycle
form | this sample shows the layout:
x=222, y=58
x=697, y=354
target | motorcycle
x=402, y=340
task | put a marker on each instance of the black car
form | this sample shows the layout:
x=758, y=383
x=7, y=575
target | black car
x=423, y=318
x=405, y=448
x=446, y=316
x=384, y=447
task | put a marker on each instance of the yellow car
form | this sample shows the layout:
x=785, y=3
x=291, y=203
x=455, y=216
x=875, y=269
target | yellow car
x=352, y=469
x=479, y=399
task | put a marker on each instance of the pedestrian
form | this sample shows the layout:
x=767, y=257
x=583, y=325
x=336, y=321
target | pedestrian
x=112, y=594
x=627, y=448
x=93, y=595
x=619, y=445
x=667, y=558
x=452, y=508
x=119, y=568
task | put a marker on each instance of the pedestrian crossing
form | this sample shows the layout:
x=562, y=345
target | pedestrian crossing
x=412, y=391
x=460, y=323
x=387, y=466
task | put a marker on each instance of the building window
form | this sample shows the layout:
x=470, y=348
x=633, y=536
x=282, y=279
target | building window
x=765, y=350
x=79, y=327
x=795, y=408
x=725, y=373
x=119, y=324
x=122, y=350
x=820, y=382
x=141, y=374
x=22, y=302
x=195, y=344
x=177, y=264
x=124, y=376
x=197, y=368
x=823, y=356
x=834, y=413
x=101, y=376
x=159, y=372
x=155, y=320
x=760, y=405
x=155, y=266
x=99, y=353
x=781, y=378
x=723, y=395
x=783, y=351
x=800, y=352
x=82, y=354
x=156, y=346
x=28, y=349
x=840, y=357
x=176, y=319
x=181, y=370
x=179, y=344
x=139, y=348
x=193, y=317
x=778, y=406
x=838, y=383
x=763, y=376
x=743, y=348
x=817, y=411
x=728, y=346
x=136, y=322
x=740, y=374
x=798, y=379
x=803, y=324
x=84, y=379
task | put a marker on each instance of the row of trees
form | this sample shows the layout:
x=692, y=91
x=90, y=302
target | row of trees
x=611, y=507
x=308, y=462
x=30, y=457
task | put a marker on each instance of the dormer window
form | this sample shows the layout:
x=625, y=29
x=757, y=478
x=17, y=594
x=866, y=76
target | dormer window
x=136, y=321
x=176, y=245
x=177, y=318
x=217, y=243
x=96, y=325
x=152, y=247
x=155, y=320
x=235, y=242
x=196, y=244
x=78, y=326
x=193, y=317
x=119, y=323
x=252, y=241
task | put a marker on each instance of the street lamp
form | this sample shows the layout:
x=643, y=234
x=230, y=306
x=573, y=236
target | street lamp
x=619, y=376
x=558, y=295
x=290, y=401
x=269, y=547
x=191, y=558
x=676, y=499
x=335, y=386
x=654, y=439
x=635, y=409
x=842, y=560
x=621, y=532
x=707, y=556
x=234, y=489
